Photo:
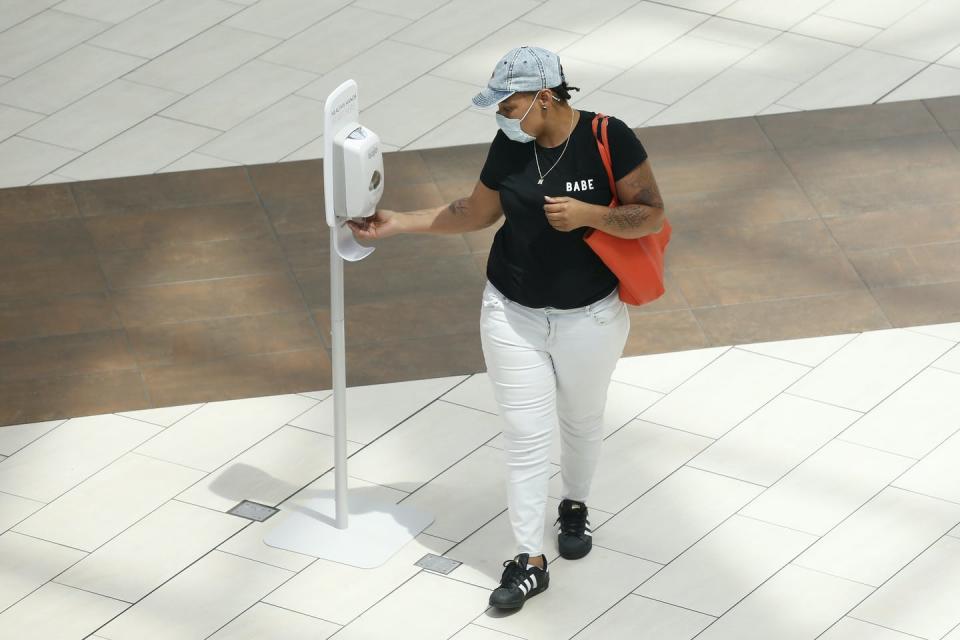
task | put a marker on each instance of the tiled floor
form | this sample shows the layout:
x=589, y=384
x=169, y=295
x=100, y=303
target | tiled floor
x=95, y=88
x=783, y=490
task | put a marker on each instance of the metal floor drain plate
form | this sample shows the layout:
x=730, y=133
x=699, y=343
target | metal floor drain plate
x=437, y=563
x=252, y=511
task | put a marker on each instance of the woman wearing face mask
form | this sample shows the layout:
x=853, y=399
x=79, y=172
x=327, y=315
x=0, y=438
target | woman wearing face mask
x=552, y=323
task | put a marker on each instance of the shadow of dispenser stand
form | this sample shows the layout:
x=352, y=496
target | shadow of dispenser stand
x=373, y=531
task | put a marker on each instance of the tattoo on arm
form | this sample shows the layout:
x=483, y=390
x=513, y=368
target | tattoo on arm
x=629, y=216
x=459, y=207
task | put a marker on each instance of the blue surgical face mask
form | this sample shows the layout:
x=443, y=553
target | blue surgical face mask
x=511, y=126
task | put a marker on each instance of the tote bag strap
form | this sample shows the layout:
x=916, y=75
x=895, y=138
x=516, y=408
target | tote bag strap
x=600, y=121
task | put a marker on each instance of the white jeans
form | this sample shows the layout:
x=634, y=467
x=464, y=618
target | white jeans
x=549, y=367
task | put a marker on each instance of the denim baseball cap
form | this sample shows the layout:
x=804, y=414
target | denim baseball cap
x=521, y=69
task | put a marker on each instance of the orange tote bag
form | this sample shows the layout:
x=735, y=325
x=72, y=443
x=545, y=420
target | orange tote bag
x=637, y=262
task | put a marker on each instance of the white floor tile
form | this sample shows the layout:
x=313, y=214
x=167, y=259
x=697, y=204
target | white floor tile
x=164, y=25
x=569, y=14
x=676, y=513
x=378, y=71
x=635, y=34
x=634, y=460
x=775, y=15
x=42, y=37
x=152, y=551
x=725, y=392
x=949, y=361
x=233, y=98
x=664, y=372
x=827, y=487
x=848, y=628
x=339, y=592
x=101, y=115
x=705, y=6
x=644, y=619
x=110, y=501
x=270, y=135
x=870, y=367
x=335, y=40
x=314, y=149
x=862, y=77
x=771, y=610
x=807, y=351
x=476, y=392
x=460, y=23
x=65, y=457
x=162, y=416
x=105, y=10
x=411, y=9
x=400, y=460
x=836, y=30
x=198, y=601
x=54, y=611
x=195, y=160
x=52, y=178
x=633, y=111
x=947, y=331
x=264, y=620
x=219, y=431
x=22, y=161
x=677, y=69
x=470, y=126
x=16, y=436
x=731, y=94
x=907, y=523
x=879, y=13
x=726, y=565
x=935, y=81
x=915, y=419
x=142, y=149
x=284, y=18
x=922, y=598
x=926, y=33
x=734, y=32
x=407, y=114
x=453, y=605
x=201, y=60
x=772, y=441
x=793, y=57
x=578, y=593
x=938, y=474
x=16, y=11
x=26, y=564
x=374, y=409
x=476, y=632
x=13, y=509
x=267, y=472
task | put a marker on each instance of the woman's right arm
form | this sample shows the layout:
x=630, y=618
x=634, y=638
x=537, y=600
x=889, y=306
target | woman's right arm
x=476, y=212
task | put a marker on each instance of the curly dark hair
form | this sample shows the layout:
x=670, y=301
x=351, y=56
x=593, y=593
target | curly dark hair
x=563, y=90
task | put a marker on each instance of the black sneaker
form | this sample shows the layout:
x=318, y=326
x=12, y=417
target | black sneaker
x=519, y=582
x=574, y=536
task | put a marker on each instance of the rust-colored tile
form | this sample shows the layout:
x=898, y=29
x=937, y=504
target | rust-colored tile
x=925, y=264
x=481, y=241
x=849, y=194
x=955, y=136
x=297, y=214
x=39, y=316
x=373, y=279
x=663, y=332
x=417, y=315
x=846, y=124
x=198, y=261
x=451, y=190
x=163, y=190
x=217, y=338
x=787, y=278
x=286, y=179
x=847, y=312
x=308, y=249
x=23, y=241
x=731, y=135
x=406, y=167
x=242, y=296
x=72, y=396
x=397, y=360
x=920, y=305
x=671, y=300
x=907, y=225
x=184, y=225
x=946, y=111
x=37, y=203
x=732, y=171
x=740, y=208
x=51, y=275
x=410, y=197
x=76, y=353
x=460, y=162
x=903, y=153
x=240, y=377
x=728, y=246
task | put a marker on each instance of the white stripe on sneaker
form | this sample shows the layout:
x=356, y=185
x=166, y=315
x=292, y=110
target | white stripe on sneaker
x=523, y=587
x=533, y=579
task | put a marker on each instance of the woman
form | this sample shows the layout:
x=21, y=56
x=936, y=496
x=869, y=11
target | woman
x=552, y=323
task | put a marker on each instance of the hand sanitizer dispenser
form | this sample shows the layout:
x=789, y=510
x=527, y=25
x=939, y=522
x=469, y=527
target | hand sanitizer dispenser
x=362, y=171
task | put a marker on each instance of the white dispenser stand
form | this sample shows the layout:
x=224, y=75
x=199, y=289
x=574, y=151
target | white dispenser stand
x=375, y=530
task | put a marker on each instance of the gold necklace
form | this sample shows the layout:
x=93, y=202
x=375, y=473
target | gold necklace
x=544, y=175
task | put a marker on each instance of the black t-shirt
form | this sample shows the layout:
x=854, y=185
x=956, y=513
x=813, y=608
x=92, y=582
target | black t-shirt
x=530, y=262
